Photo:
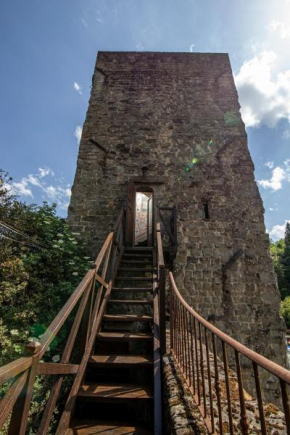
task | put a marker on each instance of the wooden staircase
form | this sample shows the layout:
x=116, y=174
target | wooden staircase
x=116, y=395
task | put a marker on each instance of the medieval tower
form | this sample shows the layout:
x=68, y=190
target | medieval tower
x=168, y=125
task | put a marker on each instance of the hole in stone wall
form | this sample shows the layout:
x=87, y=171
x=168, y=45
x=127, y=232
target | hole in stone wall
x=206, y=210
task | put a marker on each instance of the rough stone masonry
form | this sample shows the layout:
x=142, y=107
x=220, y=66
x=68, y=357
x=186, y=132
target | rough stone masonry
x=178, y=114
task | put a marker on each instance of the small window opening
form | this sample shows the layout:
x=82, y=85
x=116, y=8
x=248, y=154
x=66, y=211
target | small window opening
x=206, y=210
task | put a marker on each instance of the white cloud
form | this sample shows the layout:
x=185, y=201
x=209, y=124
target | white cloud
x=284, y=31
x=264, y=95
x=278, y=231
x=21, y=188
x=275, y=183
x=43, y=172
x=191, y=48
x=58, y=193
x=270, y=165
x=78, y=87
x=78, y=133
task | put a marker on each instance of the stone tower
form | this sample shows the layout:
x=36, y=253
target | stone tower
x=177, y=114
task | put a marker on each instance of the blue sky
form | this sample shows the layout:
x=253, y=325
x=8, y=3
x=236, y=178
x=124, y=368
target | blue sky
x=48, y=51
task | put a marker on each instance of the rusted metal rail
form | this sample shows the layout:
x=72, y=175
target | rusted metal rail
x=193, y=341
x=91, y=297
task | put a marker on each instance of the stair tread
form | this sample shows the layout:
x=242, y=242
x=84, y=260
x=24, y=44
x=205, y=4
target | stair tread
x=136, y=261
x=124, y=336
x=133, y=289
x=132, y=301
x=115, y=391
x=135, y=269
x=121, y=360
x=92, y=427
x=139, y=248
x=138, y=255
x=127, y=317
x=134, y=278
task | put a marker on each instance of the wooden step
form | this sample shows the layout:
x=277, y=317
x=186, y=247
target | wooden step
x=91, y=427
x=121, y=361
x=135, y=269
x=138, y=255
x=139, y=248
x=133, y=278
x=136, y=261
x=131, y=301
x=124, y=336
x=115, y=392
x=133, y=289
x=126, y=318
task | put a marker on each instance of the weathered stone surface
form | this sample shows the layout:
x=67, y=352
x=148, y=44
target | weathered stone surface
x=163, y=110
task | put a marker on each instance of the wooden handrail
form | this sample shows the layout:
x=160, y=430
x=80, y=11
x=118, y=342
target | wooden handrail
x=59, y=320
x=18, y=395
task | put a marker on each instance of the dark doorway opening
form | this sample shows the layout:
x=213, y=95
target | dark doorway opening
x=143, y=234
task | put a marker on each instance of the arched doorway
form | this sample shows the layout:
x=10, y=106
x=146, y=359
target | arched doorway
x=143, y=220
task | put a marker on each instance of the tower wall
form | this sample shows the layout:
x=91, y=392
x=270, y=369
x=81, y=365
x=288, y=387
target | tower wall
x=163, y=110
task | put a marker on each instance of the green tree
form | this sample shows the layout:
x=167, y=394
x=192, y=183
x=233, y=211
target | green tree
x=41, y=263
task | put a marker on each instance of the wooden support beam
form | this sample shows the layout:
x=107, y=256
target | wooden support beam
x=101, y=281
x=57, y=369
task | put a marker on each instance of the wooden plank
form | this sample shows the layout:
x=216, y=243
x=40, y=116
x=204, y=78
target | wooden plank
x=71, y=400
x=59, y=320
x=14, y=368
x=121, y=360
x=133, y=278
x=115, y=392
x=101, y=281
x=126, y=318
x=57, y=369
x=45, y=422
x=10, y=398
x=89, y=427
x=19, y=417
x=135, y=269
x=124, y=336
x=158, y=400
x=131, y=301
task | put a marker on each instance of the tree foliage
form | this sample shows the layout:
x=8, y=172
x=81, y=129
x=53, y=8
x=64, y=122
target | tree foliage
x=280, y=252
x=40, y=266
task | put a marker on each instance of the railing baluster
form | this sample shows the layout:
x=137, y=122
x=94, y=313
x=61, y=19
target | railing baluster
x=244, y=420
x=209, y=380
x=217, y=384
x=171, y=315
x=192, y=355
x=260, y=399
x=202, y=369
x=188, y=349
x=196, y=361
x=285, y=400
x=184, y=343
x=226, y=369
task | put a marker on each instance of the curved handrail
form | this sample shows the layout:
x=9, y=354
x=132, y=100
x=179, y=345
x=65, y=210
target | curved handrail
x=189, y=344
x=270, y=366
